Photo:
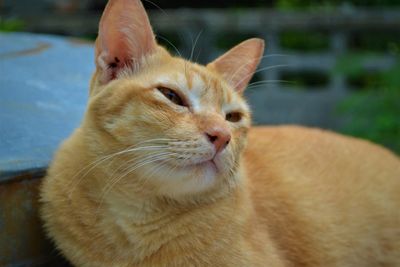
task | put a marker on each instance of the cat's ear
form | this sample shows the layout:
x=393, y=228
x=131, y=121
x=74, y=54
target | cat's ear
x=125, y=37
x=238, y=65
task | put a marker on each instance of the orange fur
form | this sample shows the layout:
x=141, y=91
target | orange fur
x=133, y=185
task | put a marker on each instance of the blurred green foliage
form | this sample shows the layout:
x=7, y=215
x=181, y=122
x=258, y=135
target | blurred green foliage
x=304, y=41
x=305, y=80
x=374, y=41
x=374, y=112
x=227, y=40
x=11, y=25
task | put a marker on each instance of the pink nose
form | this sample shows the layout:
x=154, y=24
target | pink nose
x=219, y=137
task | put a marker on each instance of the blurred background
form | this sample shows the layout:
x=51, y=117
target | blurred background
x=332, y=64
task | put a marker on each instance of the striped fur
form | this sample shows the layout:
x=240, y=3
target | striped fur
x=134, y=185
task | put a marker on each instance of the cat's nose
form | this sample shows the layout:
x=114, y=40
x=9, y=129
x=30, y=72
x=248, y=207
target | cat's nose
x=219, y=137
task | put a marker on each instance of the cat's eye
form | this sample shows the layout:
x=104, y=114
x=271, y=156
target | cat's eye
x=233, y=116
x=171, y=95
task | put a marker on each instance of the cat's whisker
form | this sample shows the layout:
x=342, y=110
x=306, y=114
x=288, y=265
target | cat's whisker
x=171, y=170
x=143, y=160
x=171, y=44
x=250, y=61
x=126, y=171
x=194, y=45
x=117, y=153
x=269, y=81
x=133, y=146
x=184, y=142
x=186, y=159
x=198, y=54
x=157, y=6
x=161, y=164
x=129, y=162
x=116, y=180
x=135, y=158
x=262, y=69
x=262, y=83
x=95, y=163
x=102, y=159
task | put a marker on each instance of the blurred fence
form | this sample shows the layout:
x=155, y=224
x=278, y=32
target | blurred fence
x=275, y=95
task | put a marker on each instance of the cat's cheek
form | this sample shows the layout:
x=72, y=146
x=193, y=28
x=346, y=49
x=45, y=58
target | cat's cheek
x=240, y=137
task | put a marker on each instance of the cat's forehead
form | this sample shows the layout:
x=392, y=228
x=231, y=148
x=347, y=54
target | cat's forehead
x=203, y=89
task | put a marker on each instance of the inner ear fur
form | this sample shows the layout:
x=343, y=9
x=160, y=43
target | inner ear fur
x=238, y=65
x=125, y=38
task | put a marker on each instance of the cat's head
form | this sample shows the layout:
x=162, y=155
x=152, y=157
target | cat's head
x=173, y=127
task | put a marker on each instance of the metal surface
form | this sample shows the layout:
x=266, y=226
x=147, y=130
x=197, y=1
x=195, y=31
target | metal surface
x=21, y=241
x=43, y=90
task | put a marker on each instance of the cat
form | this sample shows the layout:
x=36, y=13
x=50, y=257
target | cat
x=165, y=170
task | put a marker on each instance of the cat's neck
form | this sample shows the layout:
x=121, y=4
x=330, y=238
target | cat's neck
x=175, y=224
x=141, y=207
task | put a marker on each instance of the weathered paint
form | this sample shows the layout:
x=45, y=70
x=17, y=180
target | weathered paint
x=22, y=239
x=30, y=51
x=43, y=91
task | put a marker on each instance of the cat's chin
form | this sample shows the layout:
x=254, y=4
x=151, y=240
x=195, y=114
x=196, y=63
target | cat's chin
x=188, y=180
x=209, y=165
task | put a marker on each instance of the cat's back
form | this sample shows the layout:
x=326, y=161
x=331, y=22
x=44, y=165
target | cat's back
x=317, y=151
x=325, y=197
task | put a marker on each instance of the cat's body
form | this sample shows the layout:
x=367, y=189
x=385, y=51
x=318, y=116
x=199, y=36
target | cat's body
x=308, y=202
x=326, y=199
x=158, y=174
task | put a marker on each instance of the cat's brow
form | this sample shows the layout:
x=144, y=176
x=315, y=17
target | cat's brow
x=193, y=87
x=207, y=89
x=200, y=88
x=200, y=77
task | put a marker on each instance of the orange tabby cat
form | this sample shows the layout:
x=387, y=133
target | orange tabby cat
x=159, y=173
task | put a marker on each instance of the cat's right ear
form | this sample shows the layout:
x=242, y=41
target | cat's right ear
x=238, y=65
x=125, y=38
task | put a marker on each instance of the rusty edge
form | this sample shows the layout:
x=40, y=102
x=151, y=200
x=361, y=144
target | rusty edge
x=40, y=47
x=54, y=259
x=11, y=177
x=79, y=41
x=41, y=262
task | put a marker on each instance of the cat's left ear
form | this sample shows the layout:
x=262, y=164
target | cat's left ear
x=238, y=65
x=125, y=37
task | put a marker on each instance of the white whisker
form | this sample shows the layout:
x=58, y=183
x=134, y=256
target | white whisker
x=249, y=61
x=170, y=43
x=262, y=69
x=262, y=83
x=100, y=160
x=194, y=45
x=157, y=6
x=142, y=163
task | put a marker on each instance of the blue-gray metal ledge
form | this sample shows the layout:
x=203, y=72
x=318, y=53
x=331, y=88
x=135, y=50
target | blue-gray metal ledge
x=43, y=91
